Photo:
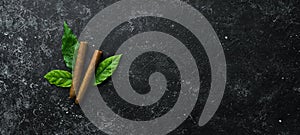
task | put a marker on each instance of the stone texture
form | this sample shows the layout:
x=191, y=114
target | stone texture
x=261, y=41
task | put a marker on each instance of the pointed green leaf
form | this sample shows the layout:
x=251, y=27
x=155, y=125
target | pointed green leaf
x=59, y=78
x=106, y=68
x=69, y=45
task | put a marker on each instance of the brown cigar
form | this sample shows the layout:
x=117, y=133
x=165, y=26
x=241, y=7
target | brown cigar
x=88, y=75
x=78, y=68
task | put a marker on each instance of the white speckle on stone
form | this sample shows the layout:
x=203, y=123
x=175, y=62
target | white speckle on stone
x=46, y=50
x=10, y=36
x=20, y=39
x=282, y=78
x=5, y=33
x=26, y=104
x=31, y=85
x=24, y=81
x=226, y=37
x=279, y=121
x=297, y=89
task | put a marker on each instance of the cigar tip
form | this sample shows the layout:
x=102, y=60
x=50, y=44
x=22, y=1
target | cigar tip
x=71, y=95
x=99, y=51
x=77, y=101
x=83, y=42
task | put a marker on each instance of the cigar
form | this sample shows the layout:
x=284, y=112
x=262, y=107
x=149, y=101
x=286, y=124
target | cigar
x=88, y=75
x=78, y=68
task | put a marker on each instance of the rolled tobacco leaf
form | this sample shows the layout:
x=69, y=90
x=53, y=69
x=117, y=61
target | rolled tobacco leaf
x=78, y=67
x=88, y=75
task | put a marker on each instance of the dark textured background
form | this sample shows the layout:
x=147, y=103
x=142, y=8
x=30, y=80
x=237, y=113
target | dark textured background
x=261, y=41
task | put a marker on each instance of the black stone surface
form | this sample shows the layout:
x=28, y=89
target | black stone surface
x=261, y=41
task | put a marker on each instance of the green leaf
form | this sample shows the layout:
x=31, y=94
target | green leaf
x=69, y=45
x=59, y=78
x=106, y=68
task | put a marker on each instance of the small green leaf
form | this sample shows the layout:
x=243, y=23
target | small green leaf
x=59, y=78
x=69, y=45
x=106, y=68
